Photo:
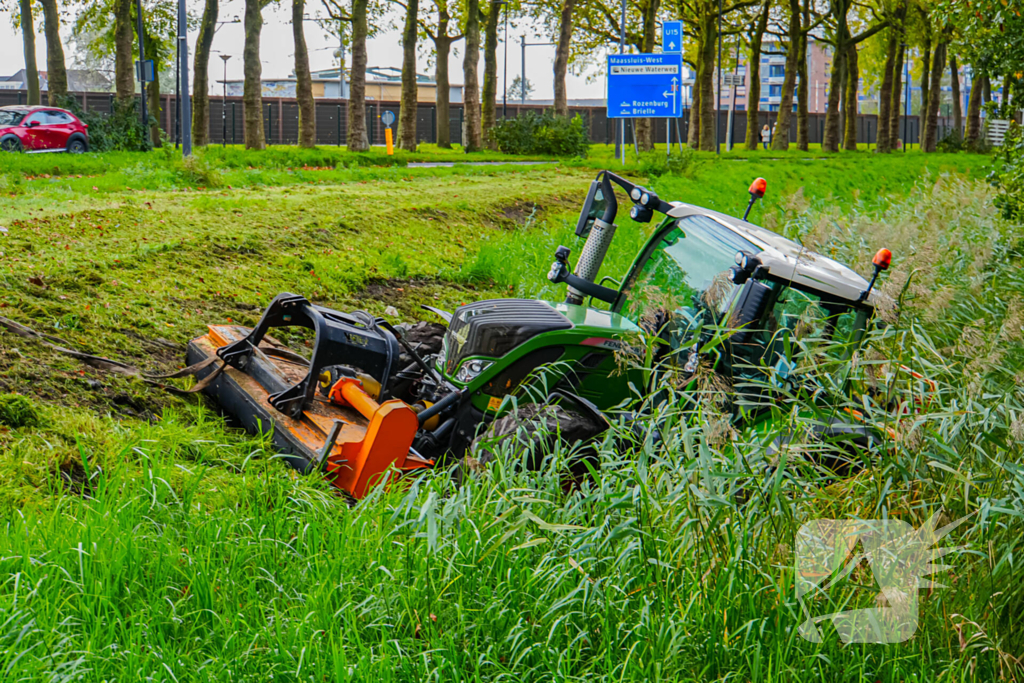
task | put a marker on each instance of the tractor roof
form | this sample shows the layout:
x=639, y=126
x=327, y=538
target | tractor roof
x=788, y=260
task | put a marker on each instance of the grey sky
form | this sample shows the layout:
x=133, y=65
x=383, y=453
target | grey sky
x=276, y=49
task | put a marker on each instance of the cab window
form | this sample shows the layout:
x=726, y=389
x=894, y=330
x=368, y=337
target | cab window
x=687, y=270
x=801, y=321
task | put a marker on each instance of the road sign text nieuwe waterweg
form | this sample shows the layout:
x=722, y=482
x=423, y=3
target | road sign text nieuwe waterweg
x=645, y=85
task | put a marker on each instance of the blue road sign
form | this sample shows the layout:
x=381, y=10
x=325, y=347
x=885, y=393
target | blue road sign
x=672, y=36
x=645, y=85
x=387, y=117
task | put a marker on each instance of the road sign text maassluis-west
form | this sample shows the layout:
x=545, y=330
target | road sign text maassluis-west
x=645, y=85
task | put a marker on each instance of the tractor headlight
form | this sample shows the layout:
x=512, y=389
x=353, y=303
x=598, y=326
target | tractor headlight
x=471, y=369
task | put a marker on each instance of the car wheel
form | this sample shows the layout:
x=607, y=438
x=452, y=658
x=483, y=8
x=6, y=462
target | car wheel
x=11, y=144
x=76, y=146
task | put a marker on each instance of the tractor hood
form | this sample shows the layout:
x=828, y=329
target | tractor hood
x=492, y=328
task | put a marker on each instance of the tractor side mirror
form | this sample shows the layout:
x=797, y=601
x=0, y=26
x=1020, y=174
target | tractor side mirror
x=882, y=260
x=593, y=208
x=757, y=191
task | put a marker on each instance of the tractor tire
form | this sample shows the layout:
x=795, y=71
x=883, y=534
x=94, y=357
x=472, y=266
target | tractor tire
x=423, y=336
x=426, y=339
x=10, y=144
x=538, y=429
x=77, y=146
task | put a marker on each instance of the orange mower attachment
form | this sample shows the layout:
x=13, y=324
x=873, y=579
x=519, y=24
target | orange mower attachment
x=346, y=434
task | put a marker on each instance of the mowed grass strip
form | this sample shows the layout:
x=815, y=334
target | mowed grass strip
x=136, y=276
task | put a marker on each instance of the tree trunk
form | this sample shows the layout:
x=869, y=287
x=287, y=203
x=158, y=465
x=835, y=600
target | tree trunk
x=643, y=128
x=896, y=110
x=974, y=111
x=802, y=126
x=356, y=139
x=561, y=56
x=850, y=99
x=124, y=77
x=201, y=76
x=490, y=91
x=252, y=89
x=954, y=84
x=471, y=136
x=780, y=141
x=442, y=46
x=693, y=134
x=830, y=143
x=1008, y=82
x=925, y=81
x=152, y=94
x=934, y=97
x=28, y=39
x=986, y=90
x=754, y=79
x=706, y=83
x=882, y=144
x=56, y=74
x=303, y=79
x=410, y=88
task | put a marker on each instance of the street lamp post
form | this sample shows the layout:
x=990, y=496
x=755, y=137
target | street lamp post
x=186, y=107
x=620, y=143
x=224, y=105
x=142, y=65
x=718, y=108
x=906, y=80
x=504, y=78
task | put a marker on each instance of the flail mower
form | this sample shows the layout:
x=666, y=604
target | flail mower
x=372, y=396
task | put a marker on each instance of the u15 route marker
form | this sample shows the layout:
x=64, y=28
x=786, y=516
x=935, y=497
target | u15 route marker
x=672, y=36
x=645, y=85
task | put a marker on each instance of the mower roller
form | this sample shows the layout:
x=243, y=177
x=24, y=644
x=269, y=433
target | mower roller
x=372, y=398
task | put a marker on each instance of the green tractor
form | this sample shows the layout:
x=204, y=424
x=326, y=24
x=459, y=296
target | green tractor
x=707, y=293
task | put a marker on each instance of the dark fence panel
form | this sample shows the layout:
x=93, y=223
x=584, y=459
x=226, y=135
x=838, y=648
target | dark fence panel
x=281, y=121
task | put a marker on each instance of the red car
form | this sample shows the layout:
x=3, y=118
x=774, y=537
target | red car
x=42, y=129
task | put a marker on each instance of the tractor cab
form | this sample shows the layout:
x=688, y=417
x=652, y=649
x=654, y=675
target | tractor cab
x=703, y=275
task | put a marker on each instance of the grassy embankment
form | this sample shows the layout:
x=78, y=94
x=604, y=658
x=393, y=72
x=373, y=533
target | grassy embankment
x=145, y=540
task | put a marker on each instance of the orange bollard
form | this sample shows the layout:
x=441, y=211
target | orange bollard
x=389, y=140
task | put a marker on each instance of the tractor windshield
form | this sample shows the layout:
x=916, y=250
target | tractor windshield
x=687, y=268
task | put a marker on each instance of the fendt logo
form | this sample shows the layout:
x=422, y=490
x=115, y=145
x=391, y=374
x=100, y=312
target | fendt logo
x=898, y=557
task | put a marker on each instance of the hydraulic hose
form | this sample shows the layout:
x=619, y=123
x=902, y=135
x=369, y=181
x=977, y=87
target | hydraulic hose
x=443, y=404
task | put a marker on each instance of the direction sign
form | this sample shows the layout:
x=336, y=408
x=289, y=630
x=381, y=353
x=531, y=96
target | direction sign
x=734, y=79
x=387, y=117
x=645, y=85
x=672, y=36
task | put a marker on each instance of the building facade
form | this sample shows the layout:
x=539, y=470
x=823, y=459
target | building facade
x=383, y=84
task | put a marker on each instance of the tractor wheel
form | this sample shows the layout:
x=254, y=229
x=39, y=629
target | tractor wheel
x=538, y=429
x=11, y=144
x=426, y=339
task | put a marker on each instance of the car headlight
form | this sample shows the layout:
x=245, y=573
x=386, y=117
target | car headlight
x=471, y=369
